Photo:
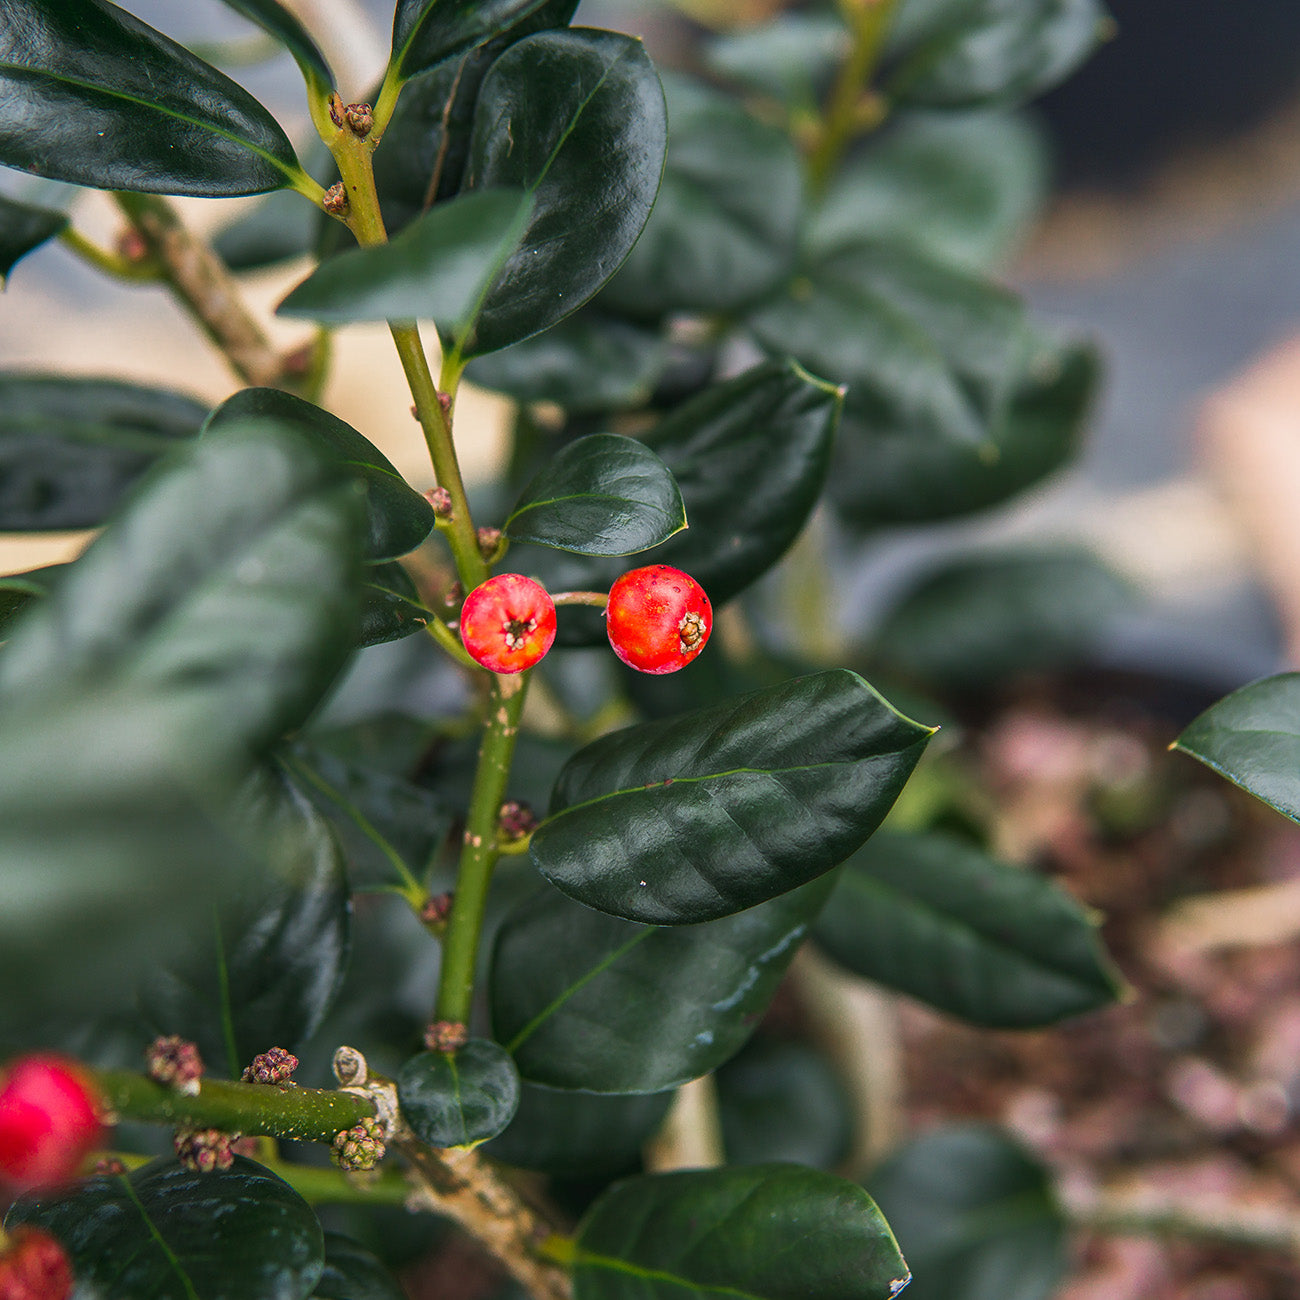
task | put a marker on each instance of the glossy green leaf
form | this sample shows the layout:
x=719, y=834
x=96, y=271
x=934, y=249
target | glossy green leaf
x=70, y=448
x=90, y=94
x=1252, y=737
x=426, y=32
x=766, y=1232
x=439, y=268
x=273, y=17
x=938, y=919
x=696, y=817
x=882, y=475
x=276, y=958
x=171, y=1233
x=975, y=1215
x=929, y=353
x=782, y=1101
x=989, y=51
x=579, y=1134
x=960, y=187
x=589, y=1001
x=980, y=619
x=601, y=495
x=589, y=361
x=398, y=517
x=390, y=606
x=461, y=1098
x=352, y=1272
x=723, y=230
x=24, y=228
x=792, y=57
x=576, y=119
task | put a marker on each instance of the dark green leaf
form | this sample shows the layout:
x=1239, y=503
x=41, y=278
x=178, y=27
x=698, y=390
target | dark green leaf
x=792, y=57
x=399, y=518
x=697, y=817
x=273, y=17
x=439, y=268
x=1253, y=738
x=276, y=958
x=766, y=1232
x=577, y=120
x=989, y=51
x=24, y=228
x=600, y=495
x=579, y=1134
x=171, y=1233
x=390, y=606
x=782, y=1101
x=723, y=229
x=70, y=448
x=353, y=1273
x=980, y=619
x=975, y=1215
x=929, y=353
x=589, y=361
x=883, y=475
x=461, y=1098
x=960, y=187
x=90, y=94
x=426, y=32
x=997, y=945
x=589, y=1001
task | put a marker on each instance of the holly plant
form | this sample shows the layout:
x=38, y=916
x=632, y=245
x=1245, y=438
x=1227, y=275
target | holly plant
x=391, y=866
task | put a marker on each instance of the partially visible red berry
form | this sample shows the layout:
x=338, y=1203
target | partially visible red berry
x=507, y=623
x=34, y=1266
x=658, y=618
x=49, y=1121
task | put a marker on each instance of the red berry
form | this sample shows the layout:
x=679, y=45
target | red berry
x=49, y=1122
x=658, y=618
x=507, y=623
x=34, y=1266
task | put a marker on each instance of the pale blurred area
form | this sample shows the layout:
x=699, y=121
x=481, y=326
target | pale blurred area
x=1182, y=262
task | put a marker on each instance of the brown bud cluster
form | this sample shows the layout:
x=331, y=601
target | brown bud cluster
x=335, y=201
x=516, y=820
x=274, y=1066
x=437, y=908
x=175, y=1063
x=445, y=1036
x=440, y=499
x=360, y=1147
x=360, y=120
x=203, y=1149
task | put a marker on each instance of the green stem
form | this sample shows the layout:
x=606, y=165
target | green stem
x=306, y=1114
x=869, y=22
x=111, y=263
x=480, y=853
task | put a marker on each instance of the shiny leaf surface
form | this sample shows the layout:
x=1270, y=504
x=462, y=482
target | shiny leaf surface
x=24, y=228
x=461, y=1098
x=390, y=606
x=274, y=18
x=426, y=32
x=352, y=1272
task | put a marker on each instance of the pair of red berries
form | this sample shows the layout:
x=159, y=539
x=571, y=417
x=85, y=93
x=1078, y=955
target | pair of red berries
x=658, y=619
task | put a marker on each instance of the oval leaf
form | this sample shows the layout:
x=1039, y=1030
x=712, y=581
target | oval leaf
x=352, y=1272
x=589, y=1001
x=173, y=1233
x=278, y=957
x=976, y=1216
x=767, y=1232
x=90, y=94
x=600, y=495
x=426, y=32
x=577, y=120
x=273, y=17
x=439, y=268
x=24, y=228
x=1253, y=738
x=461, y=1098
x=70, y=448
x=700, y=816
x=792, y=56
x=936, y=918
x=399, y=517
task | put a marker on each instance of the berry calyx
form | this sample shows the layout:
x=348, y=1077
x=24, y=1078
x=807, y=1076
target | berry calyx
x=49, y=1122
x=507, y=623
x=658, y=618
x=34, y=1266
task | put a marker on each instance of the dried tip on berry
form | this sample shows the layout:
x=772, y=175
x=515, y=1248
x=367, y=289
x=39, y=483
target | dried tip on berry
x=658, y=619
x=507, y=623
x=516, y=820
x=203, y=1149
x=360, y=1147
x=446, y=1036
x=274, y=1066
x=34, y=1266
x=175, y=1063
x=49, y=1122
